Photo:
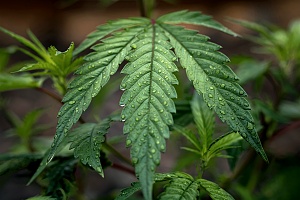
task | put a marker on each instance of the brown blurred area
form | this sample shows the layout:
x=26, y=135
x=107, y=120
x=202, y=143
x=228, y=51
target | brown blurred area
x=58, y=23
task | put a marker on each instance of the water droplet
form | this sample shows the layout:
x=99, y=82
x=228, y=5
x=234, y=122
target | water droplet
x=133, y=46
x=222, y=85
x=210, y=95
x=128, y=142
x=134, y=160
x=122, y=105
x=241, y=92
x=137, y=119
x=250, y=126
x=152, y=151
x=222, y=112
x=72, y=102
x=211, y=88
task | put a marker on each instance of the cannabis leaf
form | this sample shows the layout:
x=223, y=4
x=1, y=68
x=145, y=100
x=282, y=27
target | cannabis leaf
x=182, y=186
x=151, y=48
x=127, y=192
x=87, y=140
x=214, y=191
x=92, y=76
x=147, y=100
x=206, y=68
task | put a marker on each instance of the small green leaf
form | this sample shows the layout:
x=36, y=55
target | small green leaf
x=13, y=82
x=221, y=143
x=190, y=136
x=181, y=187
x=250, y=70
x=60, y=177
x=86, y=140
x=214, y=191
x=127, y=192
x=204, y=119
x=194, y=17
x=25, y=42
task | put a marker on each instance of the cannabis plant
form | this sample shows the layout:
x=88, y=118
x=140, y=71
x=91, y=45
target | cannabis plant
x=148, y=52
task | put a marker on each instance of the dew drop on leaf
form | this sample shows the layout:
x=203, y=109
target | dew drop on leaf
x=133, y=46
x=250, y=126
x=134, y=160
x=152, y=151
x=72, y=102
x=128, y=142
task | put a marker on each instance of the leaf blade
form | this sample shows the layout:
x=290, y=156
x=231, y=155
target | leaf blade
x=214, y=191
x=92, y=76
x=182, y=186
x=194, y=17
x=206, y=68
x=86, y=140
x=147, y=100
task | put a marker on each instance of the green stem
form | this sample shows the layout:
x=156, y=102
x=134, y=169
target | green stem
x=146, y=7
x=116, y=153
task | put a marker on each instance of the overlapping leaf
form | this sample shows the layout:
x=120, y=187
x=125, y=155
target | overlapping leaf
x=106, y=29
x=181, y=187
x=193, y=17
x=147, y=100
x=92, y=76
x=87, y=140
x=210, y=75
x=214, y=191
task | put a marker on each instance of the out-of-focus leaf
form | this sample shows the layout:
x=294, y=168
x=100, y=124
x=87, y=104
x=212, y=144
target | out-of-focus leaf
x=11, y=163
x=13, y=82
x=250, y=70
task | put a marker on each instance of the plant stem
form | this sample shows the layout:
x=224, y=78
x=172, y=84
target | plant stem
x=49, y=93
x=122, y=168
x=116, y=153
x=146, y=7
x=142, y=8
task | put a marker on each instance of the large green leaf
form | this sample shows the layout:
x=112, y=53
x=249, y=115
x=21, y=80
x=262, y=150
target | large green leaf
x=86, y=140
x=92, y=76
x=147, y=100
x=214, y=191
x=206, y=68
